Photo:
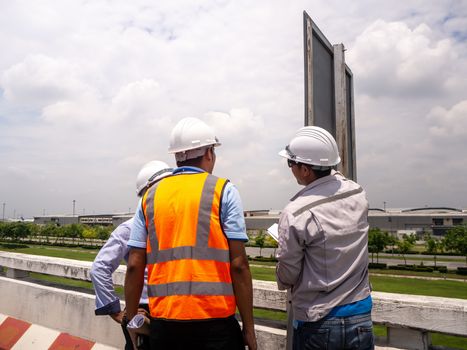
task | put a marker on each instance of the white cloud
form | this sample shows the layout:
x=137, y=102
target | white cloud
x=450, y=124
x=457, y=26
x=137, y=99
x=89, y=92
x=39, y=80
x=391, y=59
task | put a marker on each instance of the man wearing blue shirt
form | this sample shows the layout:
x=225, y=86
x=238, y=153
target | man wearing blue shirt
x=189, y=229
x=116, y=249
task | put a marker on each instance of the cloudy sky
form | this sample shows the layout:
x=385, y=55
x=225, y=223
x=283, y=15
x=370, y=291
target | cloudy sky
x=89, y=91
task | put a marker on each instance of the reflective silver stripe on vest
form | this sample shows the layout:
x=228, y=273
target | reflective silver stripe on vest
x=190, y=288
x=151, y=256
x=204, y=214
x=327, y=200
x=200, y=251
x=195, y=253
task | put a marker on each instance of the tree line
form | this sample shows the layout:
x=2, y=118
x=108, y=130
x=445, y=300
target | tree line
x=51, y=233
x=454, y=241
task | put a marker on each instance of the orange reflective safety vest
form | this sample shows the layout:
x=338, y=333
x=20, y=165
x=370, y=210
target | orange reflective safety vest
x=188, y=256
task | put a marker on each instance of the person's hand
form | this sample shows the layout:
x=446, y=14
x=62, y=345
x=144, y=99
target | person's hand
x=249, y=338
x=118, y=317
x=143, y=312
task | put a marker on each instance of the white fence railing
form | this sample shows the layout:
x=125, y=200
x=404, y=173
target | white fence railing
x=408, y=318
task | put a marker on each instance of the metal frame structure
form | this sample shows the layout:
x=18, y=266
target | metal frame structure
x=329, y=92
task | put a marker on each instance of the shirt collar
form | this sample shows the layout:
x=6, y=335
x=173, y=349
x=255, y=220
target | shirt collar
x=315, y=183
x=187, y=169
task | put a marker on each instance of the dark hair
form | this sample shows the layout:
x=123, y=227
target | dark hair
x=191, y=162
x=322, y=172
x=319, y=173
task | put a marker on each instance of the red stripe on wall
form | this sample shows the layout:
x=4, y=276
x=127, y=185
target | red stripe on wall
x=68, y=342
x=11, y=330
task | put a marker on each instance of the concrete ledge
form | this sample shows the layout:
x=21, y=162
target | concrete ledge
x=270, y=338
x=434, y=314
x=267, y=296
x=409, y=338
x=65, y=311
x=419, y=313
x=47, y=265
x=17, y=334
x=60, y=267
x=73, y=313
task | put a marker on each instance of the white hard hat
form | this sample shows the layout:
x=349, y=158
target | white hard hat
x=312, y=145
x=191, y=134
x=151, y=172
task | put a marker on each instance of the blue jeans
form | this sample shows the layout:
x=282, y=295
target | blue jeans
x=353, y=332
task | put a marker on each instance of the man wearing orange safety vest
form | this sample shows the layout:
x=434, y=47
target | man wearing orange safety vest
x=189, y=230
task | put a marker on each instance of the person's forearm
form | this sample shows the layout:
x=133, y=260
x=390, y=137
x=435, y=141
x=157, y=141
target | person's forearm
x=117, y=317
x=134, y=280
x=243, y=288
x=286, y=275
x=132, y=294
x=104, y=265
x=106, y=298
x=281, y=285
x=133, y=288
x=290, y=254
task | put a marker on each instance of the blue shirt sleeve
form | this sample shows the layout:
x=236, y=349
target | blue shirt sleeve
x=106, y=262
x=232, y=218
x=139, y=233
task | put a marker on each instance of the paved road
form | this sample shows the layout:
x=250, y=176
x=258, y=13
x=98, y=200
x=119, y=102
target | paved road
x=384, y=258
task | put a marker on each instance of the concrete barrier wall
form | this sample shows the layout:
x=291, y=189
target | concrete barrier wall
x=406, y=316
x=434, y=314
x=48, y=265
x=60, y=267
x=62, y=310
x=73, y=313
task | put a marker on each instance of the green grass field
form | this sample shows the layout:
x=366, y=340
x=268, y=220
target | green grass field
x=443, y=340
x=63, y=281
x=419, y=258
x=447, y=289
x=262, y=273
x=435, y=274
x=57, y=252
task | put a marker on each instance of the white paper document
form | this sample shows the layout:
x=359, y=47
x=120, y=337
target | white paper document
x=139, y=325
x=274, y=232
x=136, y=322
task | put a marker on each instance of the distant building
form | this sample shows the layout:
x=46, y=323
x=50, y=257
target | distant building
x=420, y=220
x=59, y=220
x=21, y=219
x=395, y=221
x=91, y=220
x=119, y=219
x=257, y=220
x=96, y=220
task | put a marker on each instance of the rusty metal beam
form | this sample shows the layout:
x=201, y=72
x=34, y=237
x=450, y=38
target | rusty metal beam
x=340, y=95
x=308, y=50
